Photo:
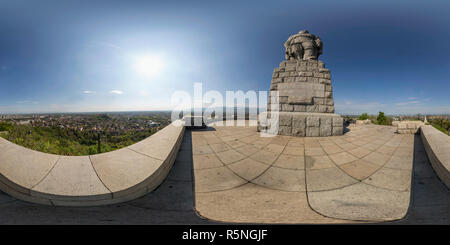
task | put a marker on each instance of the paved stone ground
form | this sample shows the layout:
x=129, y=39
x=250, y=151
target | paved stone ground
x=240, y=177
x=364, y=175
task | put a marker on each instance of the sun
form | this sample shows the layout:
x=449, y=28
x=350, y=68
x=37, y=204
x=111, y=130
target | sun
x=149, y=65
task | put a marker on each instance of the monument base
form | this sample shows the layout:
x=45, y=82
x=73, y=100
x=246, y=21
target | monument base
x=302, y=124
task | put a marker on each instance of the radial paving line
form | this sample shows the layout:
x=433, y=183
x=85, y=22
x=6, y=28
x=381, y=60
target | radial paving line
x=377, y=197
x=107, y=178
x=261, y=179
x=261, y=198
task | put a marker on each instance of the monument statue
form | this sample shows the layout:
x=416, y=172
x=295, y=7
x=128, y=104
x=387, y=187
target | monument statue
x=303, y=46
x=305, y=98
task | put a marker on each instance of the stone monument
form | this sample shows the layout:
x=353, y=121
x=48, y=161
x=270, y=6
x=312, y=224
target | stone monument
x=305, y=97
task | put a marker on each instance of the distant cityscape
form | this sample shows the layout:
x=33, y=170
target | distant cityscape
x=81, y=133
x=115, y=122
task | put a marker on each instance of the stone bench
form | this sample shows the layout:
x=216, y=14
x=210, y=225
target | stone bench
x=437, y=146
x=360, y=122
x=409, y=127
x=101, y=179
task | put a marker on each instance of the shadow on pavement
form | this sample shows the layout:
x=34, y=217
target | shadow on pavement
x=430, y=198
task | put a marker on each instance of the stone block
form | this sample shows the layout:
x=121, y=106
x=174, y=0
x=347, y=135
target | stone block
x=299, y=125
x=289, y=79
x=326, y=121
x=273, y=86
x=283, y=99
x=311, y=108
x=300, y=100
x=311, y=68
x=287, y=107
x=366, y=121
x=338, y=122
x=300, y=108
x=318, y=87
x=318, y=75
x=325, y=131
x=298, y=121
x=285, y=119
x=306, y=74
x=325, y=126
x=338, y=130
x=312, y=64
x=312, y=131
x=300, y=132
x=403, y=131
x=277, y=80
x=322, y=108
x=285, y=130
x=319, y=101
x=329, y=101
x=313, y=121
x=330, y=109
x=290, y=67
x=301, y=79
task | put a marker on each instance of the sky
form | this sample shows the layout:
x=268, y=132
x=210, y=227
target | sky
x=84, y=56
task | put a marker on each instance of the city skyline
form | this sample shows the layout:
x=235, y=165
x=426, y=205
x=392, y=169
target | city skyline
x=113, y=56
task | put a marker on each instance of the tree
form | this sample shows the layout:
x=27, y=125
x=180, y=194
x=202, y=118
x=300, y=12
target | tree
x=363, y=116
x=4, y=126
x=99, y=149
x=382, y=119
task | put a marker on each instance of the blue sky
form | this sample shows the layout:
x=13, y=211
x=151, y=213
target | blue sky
x=63, y=56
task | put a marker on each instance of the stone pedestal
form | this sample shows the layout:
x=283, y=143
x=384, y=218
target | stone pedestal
x=306, y=106
x=303, y=86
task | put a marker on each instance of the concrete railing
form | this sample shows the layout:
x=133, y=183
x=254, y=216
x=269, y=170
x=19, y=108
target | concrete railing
x=437, y=146
x=107, y=178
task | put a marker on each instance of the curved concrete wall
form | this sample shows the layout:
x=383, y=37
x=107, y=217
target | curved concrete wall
x=107, y=178
x=437, y=146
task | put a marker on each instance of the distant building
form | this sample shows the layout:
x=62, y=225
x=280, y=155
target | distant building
x=153, y=124
x=24, y=122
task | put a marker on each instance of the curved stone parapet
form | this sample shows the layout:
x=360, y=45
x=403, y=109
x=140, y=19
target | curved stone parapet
x=107, y=178
x=437, y=146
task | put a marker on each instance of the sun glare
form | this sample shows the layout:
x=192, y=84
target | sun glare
x=149, y=66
